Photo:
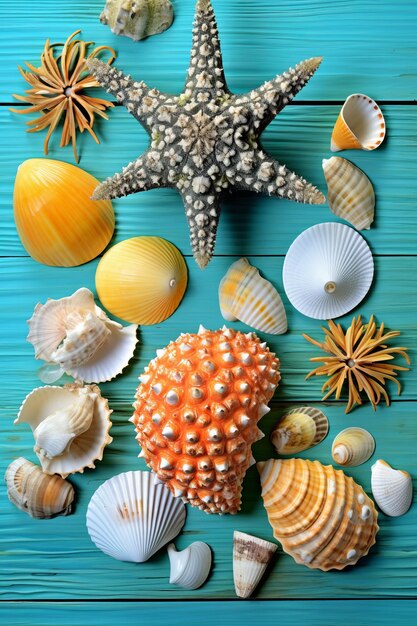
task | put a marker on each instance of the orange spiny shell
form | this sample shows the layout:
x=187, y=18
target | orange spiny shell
x=197, y=411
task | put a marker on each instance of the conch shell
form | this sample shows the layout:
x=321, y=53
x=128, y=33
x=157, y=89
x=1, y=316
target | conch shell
x=70, y=426
x=76, y=337
x=360, y=125
x=38, y=494
x=300, y=429
x=321, y=517
x=137, y=19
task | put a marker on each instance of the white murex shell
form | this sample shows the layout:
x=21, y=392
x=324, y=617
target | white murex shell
x=251, y=557
x=70, y=426
x=130, y=517
x=328, y=270
x=74, y=336
x=190, y=567
x=391, y=488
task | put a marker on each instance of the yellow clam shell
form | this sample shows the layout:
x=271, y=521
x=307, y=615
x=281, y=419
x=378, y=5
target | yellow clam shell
x=353, y=446
x=57, y=222
x=300, y=429
x=142, y=280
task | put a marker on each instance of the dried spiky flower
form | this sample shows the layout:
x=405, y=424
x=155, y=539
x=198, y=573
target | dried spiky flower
x=359, y=357
x=58, y=91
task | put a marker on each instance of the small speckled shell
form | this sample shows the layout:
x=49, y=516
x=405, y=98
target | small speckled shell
x=350, y=193
x=300, y=429
x=251, y=557
x=391, y=488
x=142, y=280
x=246, y=296
x=197, y=411
x=353, y=446
x=360, y=125
x=321, y=517
x=137, y=19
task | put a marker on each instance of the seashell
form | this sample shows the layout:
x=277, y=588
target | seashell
x=38, y=494
x=350, y=193
x=353, y=446
x=328, y=270
x=70, y=426
x=244, y=295
x=142, y=280
x=251, y=557
x=392, y=489
x=300, y=429
x=76, y=337
x=137, y=19
x=196, y=414
x=360, y=125
x=321, y=517
x=190, y=567
x=57, y=221
x=130, y=517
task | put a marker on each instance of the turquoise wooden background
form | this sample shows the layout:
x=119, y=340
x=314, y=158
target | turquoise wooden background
x=367, y=46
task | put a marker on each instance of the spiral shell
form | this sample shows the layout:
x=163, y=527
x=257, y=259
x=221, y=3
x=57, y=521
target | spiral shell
x=300, y=429
x=353, y=446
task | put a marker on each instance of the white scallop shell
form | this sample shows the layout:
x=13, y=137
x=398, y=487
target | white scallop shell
x=391, y=488
x=190, y=567
x=70, y=426
x=74, y=336
x=328, y=270
x=251, y=557
x=244, y=295
x=350, y=192
x=353, y=446
x=130, y=517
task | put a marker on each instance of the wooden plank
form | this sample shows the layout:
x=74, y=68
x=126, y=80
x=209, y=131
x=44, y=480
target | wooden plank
x=55, y=558
x=366, y=48
x=250, y=223
x=323, y=613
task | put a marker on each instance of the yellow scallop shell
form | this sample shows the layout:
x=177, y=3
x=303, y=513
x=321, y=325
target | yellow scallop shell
x=57, y=222
x=142, y=280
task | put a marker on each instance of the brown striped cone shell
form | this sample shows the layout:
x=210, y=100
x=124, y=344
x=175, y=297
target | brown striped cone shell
x=251, y=557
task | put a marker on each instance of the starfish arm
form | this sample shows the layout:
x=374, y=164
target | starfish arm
x=202, y=209
x=261, y=173
x=206, y=72
x=139, y=99
x=269, y=99
x=140, y=175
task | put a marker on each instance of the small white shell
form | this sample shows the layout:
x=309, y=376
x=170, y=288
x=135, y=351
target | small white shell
x=353, y=446
x=391, y=488
x=70, y=426
x=350, y=193
x=130, y=517
x=38, y=494
x=74, y=336
x=251, y=557
x=244, y=295
x=328, y=270
x=300, y=429
x=190, y=567
x=360, y=125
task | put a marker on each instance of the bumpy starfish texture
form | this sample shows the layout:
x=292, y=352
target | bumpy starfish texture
x=206, y=140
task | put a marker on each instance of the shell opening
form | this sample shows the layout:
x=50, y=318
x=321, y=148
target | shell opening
x=330, y=286
x=172, y=282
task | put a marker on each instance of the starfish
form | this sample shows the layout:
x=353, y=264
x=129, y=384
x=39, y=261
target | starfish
x=206, y=140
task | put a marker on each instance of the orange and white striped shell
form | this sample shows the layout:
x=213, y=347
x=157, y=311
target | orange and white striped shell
x=196, y=414
x=321, y=517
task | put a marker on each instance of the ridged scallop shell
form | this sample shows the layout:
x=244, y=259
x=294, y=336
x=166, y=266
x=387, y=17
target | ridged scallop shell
x=190, y=567
x=130, y=517
x=328, y=270
x=244, y=295
x=321, y=517
x=74, y=336
x=57, y=221
x=197, y=411
x=350, y=193
x=300, y=429
x=142, y=280
x=70, y=426
x=391, y=488
x=360, y=125
x=38, y=494
x=353, y=446
x=137, y=19
x=251, y=557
